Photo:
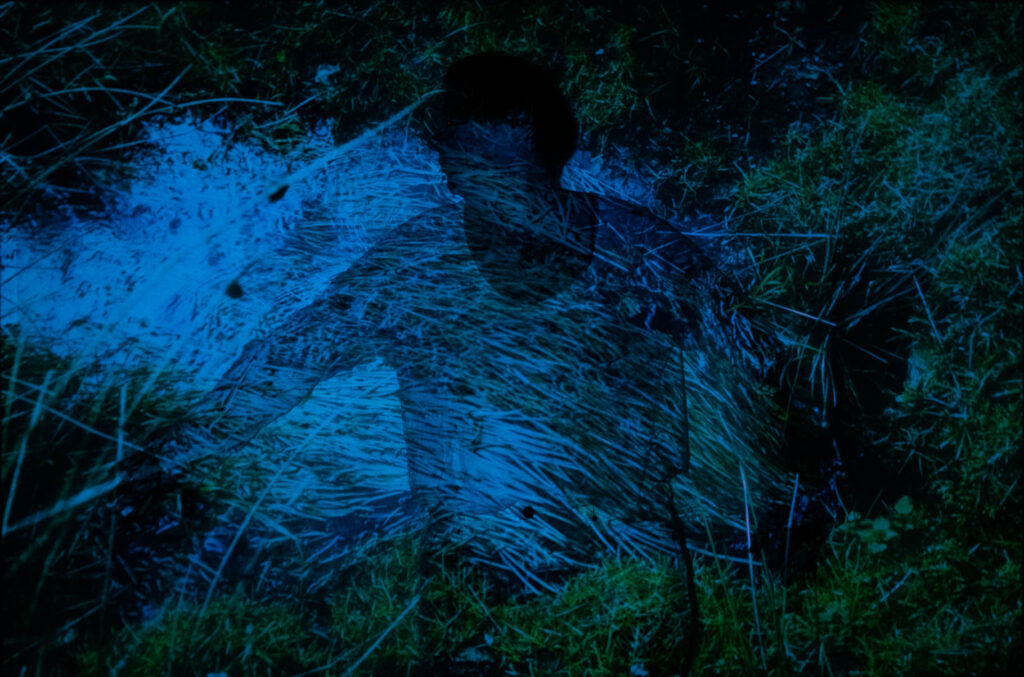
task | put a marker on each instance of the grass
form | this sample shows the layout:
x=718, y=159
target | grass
x=886, y=222
x=609, y=619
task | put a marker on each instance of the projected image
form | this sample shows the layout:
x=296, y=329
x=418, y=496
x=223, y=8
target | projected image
x=491, y=341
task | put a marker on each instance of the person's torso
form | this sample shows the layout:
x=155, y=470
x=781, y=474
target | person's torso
x=524, y=420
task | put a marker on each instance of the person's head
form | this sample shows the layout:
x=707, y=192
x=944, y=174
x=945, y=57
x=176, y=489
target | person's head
x=502, y=113
x=505, y=134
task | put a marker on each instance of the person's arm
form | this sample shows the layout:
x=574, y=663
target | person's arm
x=661, y=277
x=272, y=376
x=337, y=332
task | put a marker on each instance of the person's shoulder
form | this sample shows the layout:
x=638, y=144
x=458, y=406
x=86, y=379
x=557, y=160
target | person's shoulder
x=440, y=219
x=624, y=224
x=391, y=256
x=446, y=212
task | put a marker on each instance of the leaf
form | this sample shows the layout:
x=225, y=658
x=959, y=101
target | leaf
x=903, y=506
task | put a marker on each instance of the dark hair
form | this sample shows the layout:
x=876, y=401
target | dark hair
x=491, y=86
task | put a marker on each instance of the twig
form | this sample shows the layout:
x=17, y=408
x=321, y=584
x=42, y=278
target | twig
x=693, y=635
x=387, y=631
x=750, y=559
x=339, y=151
x=64, y=505
x=935, y=332
x=796, y=312
x=113, y=518
x=789, y=524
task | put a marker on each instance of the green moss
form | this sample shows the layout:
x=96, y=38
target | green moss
x=623, y=615
x=605, y=621
x=230, y=636
x=377, y=595
x=882, y=603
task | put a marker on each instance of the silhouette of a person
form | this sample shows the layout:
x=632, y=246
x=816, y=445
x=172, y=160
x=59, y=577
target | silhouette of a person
x=489, y=311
